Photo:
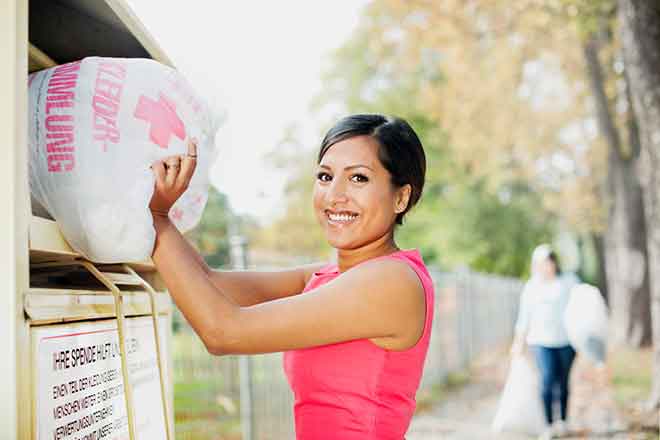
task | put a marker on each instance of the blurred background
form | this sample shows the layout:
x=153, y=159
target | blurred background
x=524, y=109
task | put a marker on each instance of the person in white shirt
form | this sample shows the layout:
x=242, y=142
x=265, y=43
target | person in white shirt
x=541, y=326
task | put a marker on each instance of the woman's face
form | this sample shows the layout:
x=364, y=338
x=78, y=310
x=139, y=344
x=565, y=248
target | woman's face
x=546, y=268
x=354, y=200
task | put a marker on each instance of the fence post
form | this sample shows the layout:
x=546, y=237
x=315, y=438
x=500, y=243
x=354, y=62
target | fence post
x=464, y=317
x=469, y=294
x=238, y=254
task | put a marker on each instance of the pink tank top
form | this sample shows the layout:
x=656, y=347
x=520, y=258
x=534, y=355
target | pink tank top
x=357, y=390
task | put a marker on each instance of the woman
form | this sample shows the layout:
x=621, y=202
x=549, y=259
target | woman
x=355, y=332
x=541, y=325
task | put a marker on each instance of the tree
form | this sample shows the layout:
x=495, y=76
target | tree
x=468, y=224
x=210, y=237
x=625, y=234
x=640, y=35
x=623, y=247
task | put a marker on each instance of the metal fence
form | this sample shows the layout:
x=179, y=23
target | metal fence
x=474, y=313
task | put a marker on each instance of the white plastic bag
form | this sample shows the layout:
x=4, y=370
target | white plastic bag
x=520, y=408
x=95, y=127
x=586, y=322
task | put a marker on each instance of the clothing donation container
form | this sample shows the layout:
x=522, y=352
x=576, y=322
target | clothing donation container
x=85, y=346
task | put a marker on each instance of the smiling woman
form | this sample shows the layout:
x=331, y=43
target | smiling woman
x=355, y=332
x=373, y=163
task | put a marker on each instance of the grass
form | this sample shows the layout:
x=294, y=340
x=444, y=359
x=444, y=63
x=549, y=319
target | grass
x=631, y=381
x=207, y=429
x=429, y=397
x=197, y=397
x=199, y=415
x=631, y=375
x=201, y=411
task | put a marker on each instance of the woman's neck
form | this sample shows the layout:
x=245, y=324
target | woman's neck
x=348, y=258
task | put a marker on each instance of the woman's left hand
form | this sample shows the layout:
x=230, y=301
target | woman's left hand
x=173, y=175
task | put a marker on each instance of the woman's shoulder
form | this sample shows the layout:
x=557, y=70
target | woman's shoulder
x=400, y=267
x=317, y=269
x=404, y=267
x=410, y=256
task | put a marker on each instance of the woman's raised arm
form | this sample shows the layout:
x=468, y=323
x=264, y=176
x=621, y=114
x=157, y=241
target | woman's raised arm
x=248, y=288
x=244, y=288
x=382, y=299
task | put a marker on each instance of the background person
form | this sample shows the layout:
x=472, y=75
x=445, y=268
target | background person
x=541, y=325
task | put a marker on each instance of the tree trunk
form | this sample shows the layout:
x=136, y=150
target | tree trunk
x=640, y=30
x=625, y=236
x=599, y=245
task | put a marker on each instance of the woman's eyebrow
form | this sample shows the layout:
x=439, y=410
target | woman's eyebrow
x=358, y=166
x=350, y=167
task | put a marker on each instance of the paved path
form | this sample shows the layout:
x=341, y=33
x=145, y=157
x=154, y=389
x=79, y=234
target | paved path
x=467, y=413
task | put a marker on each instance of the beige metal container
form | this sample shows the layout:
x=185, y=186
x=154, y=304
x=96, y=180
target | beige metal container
x=64, y=322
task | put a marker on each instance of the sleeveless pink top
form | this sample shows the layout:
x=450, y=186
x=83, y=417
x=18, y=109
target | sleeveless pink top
x=357, y=390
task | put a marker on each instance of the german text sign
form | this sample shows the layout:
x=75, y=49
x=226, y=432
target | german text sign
x=79, y=385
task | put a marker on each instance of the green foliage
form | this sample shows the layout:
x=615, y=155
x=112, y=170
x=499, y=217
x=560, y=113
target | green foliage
x=588, y=14
x=210, y=236
x=464, y=223
x=296, y=232
x=495, y=232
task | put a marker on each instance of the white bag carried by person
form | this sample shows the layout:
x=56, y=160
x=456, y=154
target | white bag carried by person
x=586, y=322
x=95, y=128
x=520, y=408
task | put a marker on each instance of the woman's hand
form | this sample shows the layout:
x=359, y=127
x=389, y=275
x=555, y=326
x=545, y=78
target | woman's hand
x=173, y=175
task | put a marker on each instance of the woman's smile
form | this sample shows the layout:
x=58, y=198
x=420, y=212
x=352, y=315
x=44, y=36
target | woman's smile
x=341, y=218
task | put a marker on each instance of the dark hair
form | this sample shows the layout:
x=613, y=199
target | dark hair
x=400, y=151
x=552, y=256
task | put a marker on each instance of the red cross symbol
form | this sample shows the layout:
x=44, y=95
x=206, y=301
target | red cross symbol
x=162, y=116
